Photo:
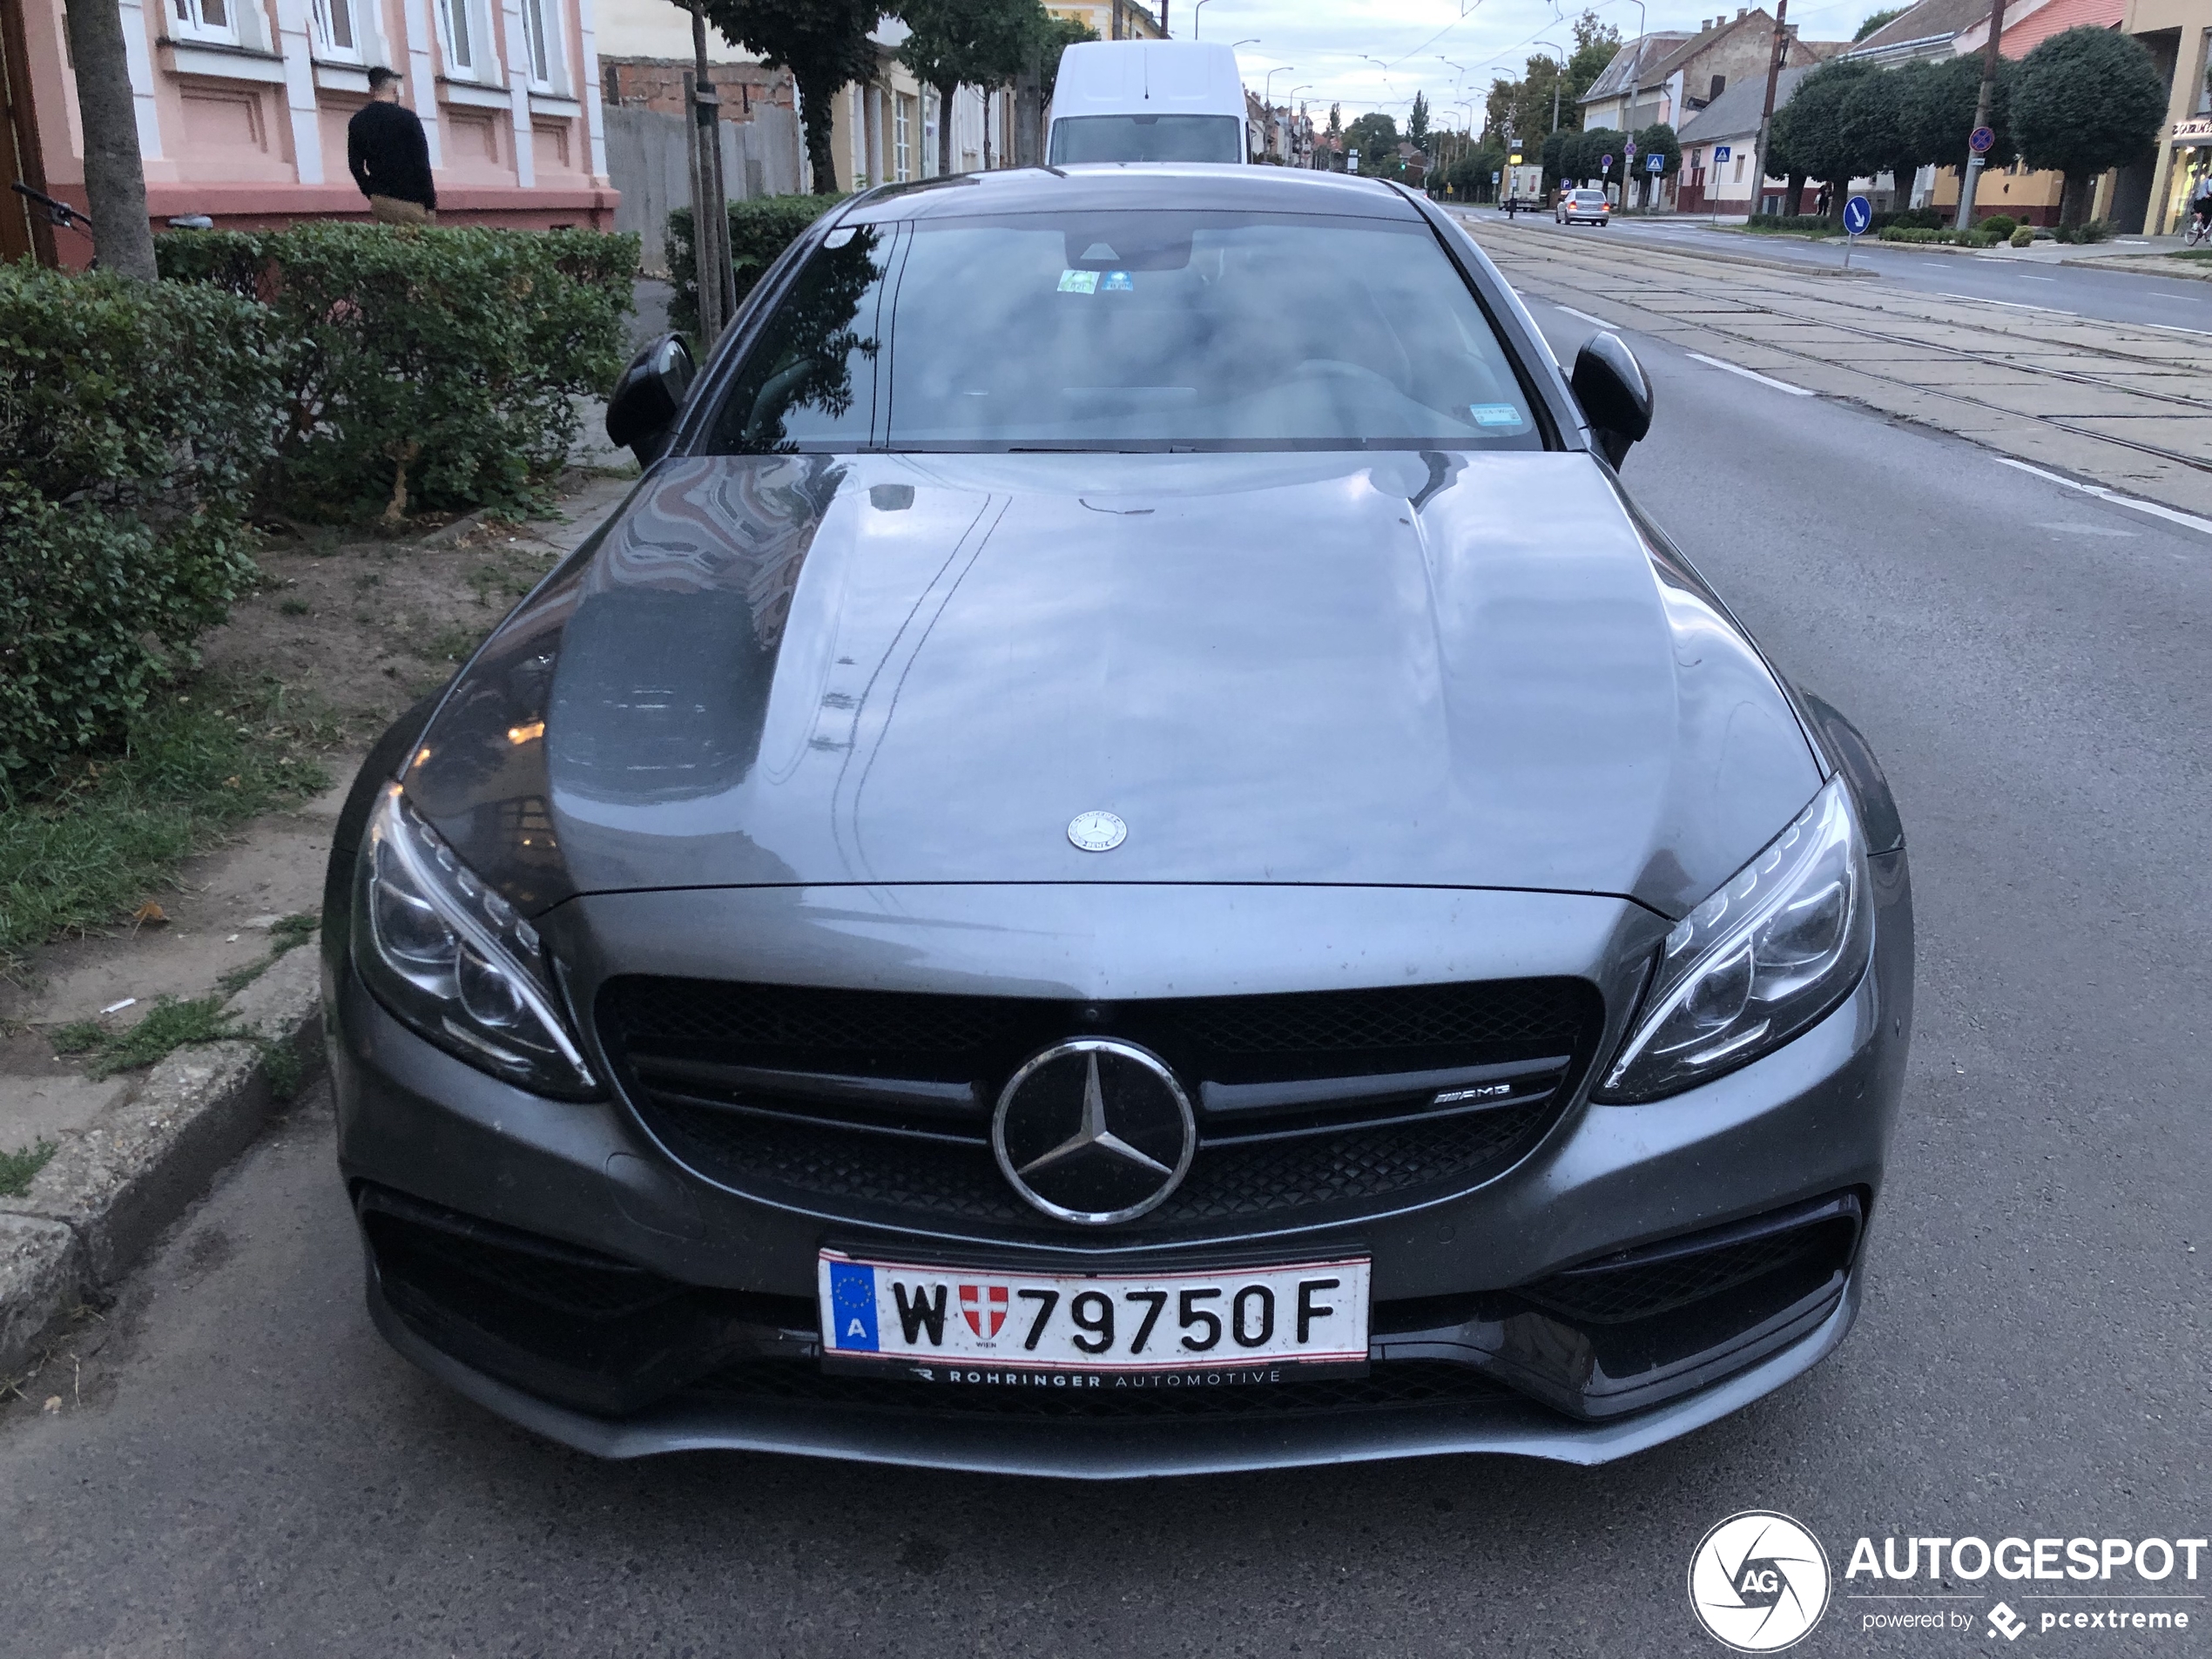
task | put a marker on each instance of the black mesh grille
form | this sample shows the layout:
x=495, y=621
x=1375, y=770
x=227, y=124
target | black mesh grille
x=1401, y=1385
x=1617, y=1293
x=838, y=1158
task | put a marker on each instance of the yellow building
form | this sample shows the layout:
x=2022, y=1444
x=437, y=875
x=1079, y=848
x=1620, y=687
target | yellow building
x=2178, y=32
x=1114, y=19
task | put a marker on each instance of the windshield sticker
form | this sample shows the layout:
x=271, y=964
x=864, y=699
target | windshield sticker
x=1117, y=282
x=1079, y=282
x=1496, y=415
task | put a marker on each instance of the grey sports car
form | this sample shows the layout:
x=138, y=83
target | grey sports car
x=1128, y=857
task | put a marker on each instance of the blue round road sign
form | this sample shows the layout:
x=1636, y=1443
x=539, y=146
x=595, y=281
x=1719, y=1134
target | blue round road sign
x=1858, y=213
x=1981, y=141
x=1605, y=164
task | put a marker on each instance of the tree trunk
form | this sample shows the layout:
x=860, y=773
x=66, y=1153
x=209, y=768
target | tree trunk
x=945, y=96
x=2074, y=199
x=115, y=180
x=816, y=112
x=989, y=93
x=1795, y=200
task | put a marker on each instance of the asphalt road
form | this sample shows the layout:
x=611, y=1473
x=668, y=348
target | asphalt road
x=249, y=1470
x=2067, y=290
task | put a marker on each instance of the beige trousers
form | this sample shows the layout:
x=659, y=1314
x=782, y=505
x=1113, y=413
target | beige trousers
x=390, y=210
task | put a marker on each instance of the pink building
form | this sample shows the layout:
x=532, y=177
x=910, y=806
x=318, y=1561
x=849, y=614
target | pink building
x=242, y=107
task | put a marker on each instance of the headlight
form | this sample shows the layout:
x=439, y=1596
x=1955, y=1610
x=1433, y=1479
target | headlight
x=453, y=959
x=1779, y=945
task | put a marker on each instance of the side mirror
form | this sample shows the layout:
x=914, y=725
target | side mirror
x=642, y=410
x=1608, y=383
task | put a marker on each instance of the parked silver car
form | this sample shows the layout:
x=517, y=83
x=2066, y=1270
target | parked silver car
x=1129, y=857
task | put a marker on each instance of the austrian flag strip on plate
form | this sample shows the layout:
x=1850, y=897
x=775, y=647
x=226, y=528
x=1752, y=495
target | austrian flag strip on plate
x=1265, y=1321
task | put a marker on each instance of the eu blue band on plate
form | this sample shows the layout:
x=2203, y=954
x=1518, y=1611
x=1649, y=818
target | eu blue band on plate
x=853, y=1307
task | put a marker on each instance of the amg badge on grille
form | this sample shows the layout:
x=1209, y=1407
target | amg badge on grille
x=1097, y=831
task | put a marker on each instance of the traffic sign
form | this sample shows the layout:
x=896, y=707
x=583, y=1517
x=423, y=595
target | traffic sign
x=1981, y=141
x=1605, y=164
x=1493, y=177
x=1656, y=161
x=1514, y=160
x=1720, y=152
x=1629, y=149
x=1858, y=213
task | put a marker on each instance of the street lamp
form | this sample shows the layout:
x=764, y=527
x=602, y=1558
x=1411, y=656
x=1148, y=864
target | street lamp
x=1556, y=79
x=1197, y=12
x=1249, y=40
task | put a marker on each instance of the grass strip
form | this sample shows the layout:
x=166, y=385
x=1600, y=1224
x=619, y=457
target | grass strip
x=288, y=934
x=17, y=1168
x=168, y=1025
x=82, y=848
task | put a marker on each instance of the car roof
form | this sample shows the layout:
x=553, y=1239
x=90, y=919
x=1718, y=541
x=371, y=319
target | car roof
x=1112, y=185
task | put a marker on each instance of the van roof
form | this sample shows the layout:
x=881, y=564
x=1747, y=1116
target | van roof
x=1163, y=77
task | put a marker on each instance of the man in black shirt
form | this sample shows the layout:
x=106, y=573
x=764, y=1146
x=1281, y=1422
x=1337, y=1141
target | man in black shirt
x=389, y=156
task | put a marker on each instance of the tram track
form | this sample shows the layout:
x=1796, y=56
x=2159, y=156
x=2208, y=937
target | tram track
x=1673, y=289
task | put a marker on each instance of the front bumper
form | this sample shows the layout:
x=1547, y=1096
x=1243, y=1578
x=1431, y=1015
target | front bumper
x=1801, y=1127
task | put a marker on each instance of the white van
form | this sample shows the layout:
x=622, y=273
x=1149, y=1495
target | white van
x=1147, y=100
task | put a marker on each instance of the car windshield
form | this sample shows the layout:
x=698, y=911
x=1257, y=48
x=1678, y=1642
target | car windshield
x=1130, y=330
x=1146, y=138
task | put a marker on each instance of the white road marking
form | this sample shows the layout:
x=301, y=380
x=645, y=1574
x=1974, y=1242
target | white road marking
x=2174, y=329
x=1595, y=321
x=1752, y=374
x=2009, y=305
x=2188, y=520
x=2024, y=277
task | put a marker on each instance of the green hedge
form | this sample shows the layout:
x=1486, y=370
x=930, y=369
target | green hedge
x=428, y=368
x=760, y=229
x=134, y=422
x=1955, y=239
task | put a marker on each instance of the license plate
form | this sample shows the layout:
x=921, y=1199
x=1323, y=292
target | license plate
x=937, y=1323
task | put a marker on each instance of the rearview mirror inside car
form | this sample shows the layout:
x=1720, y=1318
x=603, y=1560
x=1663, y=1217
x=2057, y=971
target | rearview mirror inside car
x=1615, y=397
x=641, y=412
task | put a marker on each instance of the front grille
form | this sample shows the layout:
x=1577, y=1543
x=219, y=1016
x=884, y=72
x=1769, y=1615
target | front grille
x=876, y=1105
x=1389, y=1386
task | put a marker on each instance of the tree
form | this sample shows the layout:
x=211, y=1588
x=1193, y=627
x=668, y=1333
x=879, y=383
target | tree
x=115, y=179
x=953, y=43
x=1938, y=112
x=1585, y=154
x=1416, y=123
x=1875, y=129
x=823, y=43
x=1375, y=136
x=1336, y=121
x=1813, y=132
x=1877, y=20
x=1658, y=140
x=2085, y=100
x=1555, y=155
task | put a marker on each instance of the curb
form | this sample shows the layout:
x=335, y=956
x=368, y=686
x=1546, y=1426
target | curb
x=117, y=1183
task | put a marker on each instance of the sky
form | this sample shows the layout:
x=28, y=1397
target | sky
x=1450, y=49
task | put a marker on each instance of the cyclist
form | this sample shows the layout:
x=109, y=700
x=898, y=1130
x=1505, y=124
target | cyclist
x=2200, y=208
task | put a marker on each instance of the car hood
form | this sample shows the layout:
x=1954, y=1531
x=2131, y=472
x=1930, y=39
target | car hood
x=1448, y=670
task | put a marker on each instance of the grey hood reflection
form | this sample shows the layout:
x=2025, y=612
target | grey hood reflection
x=1276, y=668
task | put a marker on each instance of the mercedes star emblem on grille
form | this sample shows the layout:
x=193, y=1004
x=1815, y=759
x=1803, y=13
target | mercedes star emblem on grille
x=1094, y=1131
x=1097, y=831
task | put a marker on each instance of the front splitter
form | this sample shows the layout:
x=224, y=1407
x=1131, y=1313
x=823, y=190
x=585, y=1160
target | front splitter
x=1119, y=1450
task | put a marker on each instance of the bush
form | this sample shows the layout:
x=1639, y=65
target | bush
x=426, y=368
x=1913, y=218
x=1788, y=222
x=760, y=229
x=1953, y=238
x=2023, y=236
x=134, y=418
x=2093, y=230
x=1998, y=224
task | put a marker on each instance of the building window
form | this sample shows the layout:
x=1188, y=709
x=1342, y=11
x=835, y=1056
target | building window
x=205, y=20
x=540, y=37
x=334, y=29
x=461, y=49
x=902, y=138
x=1739, y=170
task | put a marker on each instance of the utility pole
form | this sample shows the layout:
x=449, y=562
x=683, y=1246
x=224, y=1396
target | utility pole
x=1766, y=111
x=1972, y=177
